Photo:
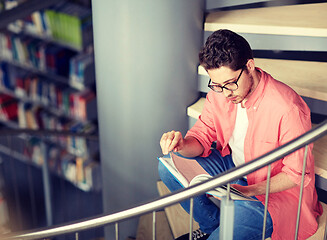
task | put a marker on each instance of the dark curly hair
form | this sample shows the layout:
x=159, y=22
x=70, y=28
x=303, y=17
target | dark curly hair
x=225, y=48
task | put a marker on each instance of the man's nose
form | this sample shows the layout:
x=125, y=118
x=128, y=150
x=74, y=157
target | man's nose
x=227, y=92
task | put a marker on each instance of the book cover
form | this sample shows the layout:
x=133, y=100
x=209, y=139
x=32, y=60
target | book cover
x=19, y=88
x=9, y=110
x=189, y=172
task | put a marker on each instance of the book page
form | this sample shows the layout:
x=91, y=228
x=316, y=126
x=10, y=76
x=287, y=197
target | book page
x=189, y=172
x=200, y=178
x=189, y=168
x=218, y=192
x=169, y=164
x=221, y=190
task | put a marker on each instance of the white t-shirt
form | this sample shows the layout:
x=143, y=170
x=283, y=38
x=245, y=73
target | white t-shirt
x=236, y=142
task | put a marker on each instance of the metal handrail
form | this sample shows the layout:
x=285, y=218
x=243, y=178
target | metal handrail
x=173, y=198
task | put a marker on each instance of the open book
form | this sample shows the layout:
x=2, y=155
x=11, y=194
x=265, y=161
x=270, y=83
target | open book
x=189, y=172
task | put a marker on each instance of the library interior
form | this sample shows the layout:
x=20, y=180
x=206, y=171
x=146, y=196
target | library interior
x=87, y=87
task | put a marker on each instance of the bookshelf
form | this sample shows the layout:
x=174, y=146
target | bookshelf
x=20, y=9
x=70, y=172
x=47, y=77
x=68, y=25
x=42, y=76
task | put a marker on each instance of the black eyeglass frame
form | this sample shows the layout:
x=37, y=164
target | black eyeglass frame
x=211, y=86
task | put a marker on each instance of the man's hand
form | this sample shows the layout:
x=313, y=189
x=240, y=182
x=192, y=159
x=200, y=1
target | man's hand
x=246, y=190
x=279, y=182
x=171, y=141
x=174, y=141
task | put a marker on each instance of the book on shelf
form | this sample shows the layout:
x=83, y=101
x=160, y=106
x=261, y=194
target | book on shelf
x=84, y=105
x=33, y=149
x=33, y=116
x=70, y=23
x=20, y=88
x=5, y=99
x=67, y=22
x=84, y=173
x=57, y=60
x=189, y=172
x=5, y=46
x=81, y=171
x=8, y=107
x=58, y=98
x=74, y=70
x=9, y=4
x=92, y=173
x=81, y=70
x=34, y=53
x=5, y=79
x=77, y=145
x=29, y=116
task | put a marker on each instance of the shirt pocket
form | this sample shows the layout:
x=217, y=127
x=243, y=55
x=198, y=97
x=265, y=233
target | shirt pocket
x=263, y=146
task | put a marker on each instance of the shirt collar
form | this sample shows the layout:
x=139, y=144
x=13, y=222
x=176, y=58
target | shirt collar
x=256, y=97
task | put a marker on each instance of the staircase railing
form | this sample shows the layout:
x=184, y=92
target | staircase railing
x=176, y=197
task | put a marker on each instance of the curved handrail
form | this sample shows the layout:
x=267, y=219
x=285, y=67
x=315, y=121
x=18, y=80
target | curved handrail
x=173, y=198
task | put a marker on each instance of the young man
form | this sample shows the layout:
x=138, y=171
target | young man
x=248, y=113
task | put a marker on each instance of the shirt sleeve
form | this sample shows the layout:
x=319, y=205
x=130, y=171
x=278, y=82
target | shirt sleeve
x=204, y=130
x=294, y=124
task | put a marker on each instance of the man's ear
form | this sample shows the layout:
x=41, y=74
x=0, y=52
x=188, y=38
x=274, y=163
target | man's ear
x=250, y=65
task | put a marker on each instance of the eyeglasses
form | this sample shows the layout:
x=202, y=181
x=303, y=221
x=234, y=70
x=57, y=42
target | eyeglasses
x=231, y=86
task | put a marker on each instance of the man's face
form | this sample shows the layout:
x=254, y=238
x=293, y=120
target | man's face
x=224, y=75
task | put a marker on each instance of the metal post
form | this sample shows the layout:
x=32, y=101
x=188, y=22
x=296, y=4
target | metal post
x=226, y=216
x=301, y=192
x=46, y=185
x=154, y=225
x=32, y=194
x=191, y=218
x=266, y=204
x=325, y=234
x=116, y=231
x=15, y=184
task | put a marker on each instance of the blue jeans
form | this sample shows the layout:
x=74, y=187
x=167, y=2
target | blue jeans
x=248, y=217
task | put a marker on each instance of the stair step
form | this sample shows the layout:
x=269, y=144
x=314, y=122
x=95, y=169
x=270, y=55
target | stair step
x=296, y=20
x=178, y=219
x=291, y=72
x=214, y=4
x=319, y=149
x=144, y=230
x=320, y=154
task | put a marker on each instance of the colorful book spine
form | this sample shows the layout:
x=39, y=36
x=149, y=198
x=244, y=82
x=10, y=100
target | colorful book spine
x=34, y=53
x=81, y=70
x=68, y=23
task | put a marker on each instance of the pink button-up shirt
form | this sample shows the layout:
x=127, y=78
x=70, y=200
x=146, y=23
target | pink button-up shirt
x=276, y=115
